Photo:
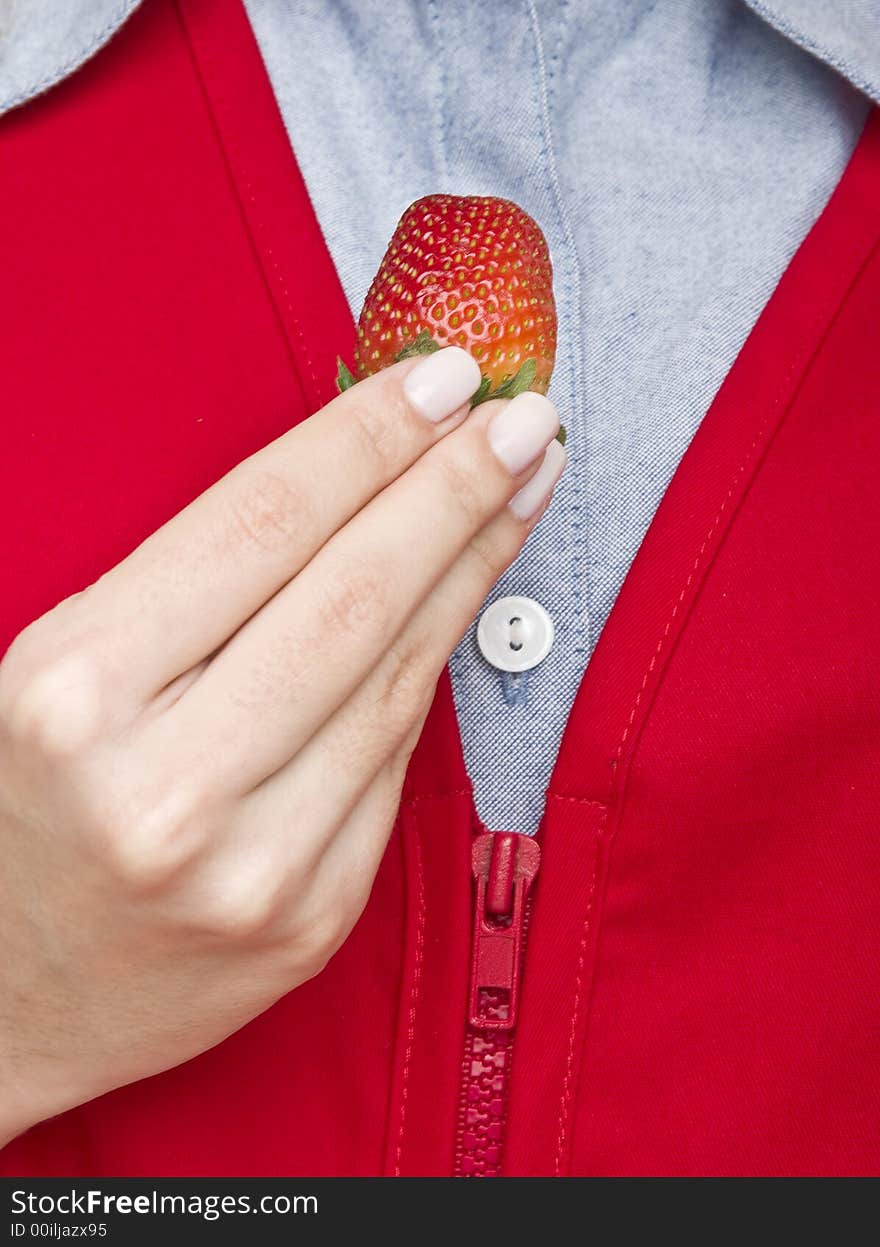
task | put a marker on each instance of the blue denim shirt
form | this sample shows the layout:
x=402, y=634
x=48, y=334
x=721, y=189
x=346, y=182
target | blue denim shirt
x=675, y=152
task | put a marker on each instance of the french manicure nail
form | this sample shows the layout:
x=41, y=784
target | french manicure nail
x=525, y=503
x=442, y=383
x=522, y=429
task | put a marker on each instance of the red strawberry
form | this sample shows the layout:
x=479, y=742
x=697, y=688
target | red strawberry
x=463, y=271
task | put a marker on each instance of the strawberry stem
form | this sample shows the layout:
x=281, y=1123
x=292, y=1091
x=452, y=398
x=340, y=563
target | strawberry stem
x=345, y=379
x=424, y=344
x=482, y=393
x=509, y=387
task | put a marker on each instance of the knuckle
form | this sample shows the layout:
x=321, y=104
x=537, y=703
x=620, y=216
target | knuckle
x=147, y=845
x=51, y=703
x=378, y=430
x=408, y=686
x=354, y=598
x=14, y=668
x=463, y=483
x=318, y=939
x=491, y=560
x=268, y=512
x=236, y=912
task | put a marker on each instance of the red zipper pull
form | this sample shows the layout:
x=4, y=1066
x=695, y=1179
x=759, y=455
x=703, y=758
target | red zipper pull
x=504, y=864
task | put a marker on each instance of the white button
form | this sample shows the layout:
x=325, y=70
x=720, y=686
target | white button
x=515, y=634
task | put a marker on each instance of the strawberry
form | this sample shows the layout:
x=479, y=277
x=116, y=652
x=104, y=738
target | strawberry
x=463, y=271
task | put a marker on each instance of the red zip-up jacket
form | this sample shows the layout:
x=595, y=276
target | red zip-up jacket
x=699, y=991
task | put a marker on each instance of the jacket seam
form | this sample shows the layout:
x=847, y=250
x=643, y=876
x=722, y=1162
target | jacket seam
x=619, y=775
x=244, y=192
x=759, y=436
x=580, y=983
x=414, y=997
x=412, y=802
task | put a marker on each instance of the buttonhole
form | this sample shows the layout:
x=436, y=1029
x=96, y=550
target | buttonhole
x=515, y=688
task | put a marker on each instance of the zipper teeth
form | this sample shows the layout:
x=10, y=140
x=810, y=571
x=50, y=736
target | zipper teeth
x=485, y=1085
x=483, y=1103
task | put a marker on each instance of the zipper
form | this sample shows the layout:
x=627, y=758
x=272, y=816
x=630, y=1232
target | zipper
x=504, y=865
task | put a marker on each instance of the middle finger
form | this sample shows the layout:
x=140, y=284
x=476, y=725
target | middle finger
x=273, y=685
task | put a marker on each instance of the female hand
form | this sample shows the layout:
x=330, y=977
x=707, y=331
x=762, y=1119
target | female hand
x=201, y=755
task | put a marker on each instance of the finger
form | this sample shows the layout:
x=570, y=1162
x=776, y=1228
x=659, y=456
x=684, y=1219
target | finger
x=326, y=779
x=345, y=873
x=318, y=827
x=263, y=880
x=279, y=679
x=190, y=585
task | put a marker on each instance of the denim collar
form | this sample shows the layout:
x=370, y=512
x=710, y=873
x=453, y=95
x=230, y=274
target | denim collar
x=42, y=42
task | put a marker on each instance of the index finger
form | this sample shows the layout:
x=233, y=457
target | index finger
x=196, y=580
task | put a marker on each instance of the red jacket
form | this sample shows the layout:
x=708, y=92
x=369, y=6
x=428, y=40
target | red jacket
x=701, y=985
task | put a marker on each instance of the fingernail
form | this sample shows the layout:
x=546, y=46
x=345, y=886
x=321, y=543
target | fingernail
x=522, y=429
x=525, y=503
x=441, y=383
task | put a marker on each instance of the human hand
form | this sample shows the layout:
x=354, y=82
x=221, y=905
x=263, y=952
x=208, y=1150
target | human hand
x=201, y=754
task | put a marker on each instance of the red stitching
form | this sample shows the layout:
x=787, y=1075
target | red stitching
x=820, y=328
x=687, y=584
x=216, y=104
x=568, y=1083
x=413, y=998
x=559, y=796
x=297, y=328
x=435, y=796
x=823, y=333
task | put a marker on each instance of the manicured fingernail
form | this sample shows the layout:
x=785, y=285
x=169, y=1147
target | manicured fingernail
x=532, y=495
x=442, y=383
x=522, y=429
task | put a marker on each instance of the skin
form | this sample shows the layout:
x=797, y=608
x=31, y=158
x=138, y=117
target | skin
x=174, y=857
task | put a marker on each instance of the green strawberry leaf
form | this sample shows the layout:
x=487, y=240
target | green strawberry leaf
x=482, y=393
x=345, y=379
x=509, y=387
x=518, y=384
x=424, y=344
